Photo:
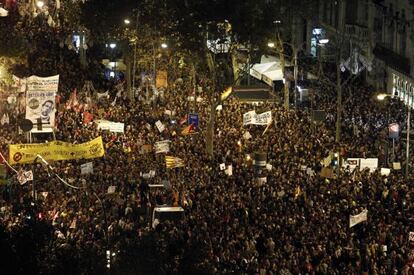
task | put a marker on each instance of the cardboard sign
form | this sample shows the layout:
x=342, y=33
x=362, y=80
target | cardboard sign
x=87, y=168
x=160, y=126
x=162, y=146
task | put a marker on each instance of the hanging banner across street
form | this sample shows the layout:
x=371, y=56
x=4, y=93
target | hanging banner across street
x=40, y=102
x=56, y=150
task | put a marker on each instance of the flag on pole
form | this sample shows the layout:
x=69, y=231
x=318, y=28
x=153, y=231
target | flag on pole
x=173, y=162
x=73, y=100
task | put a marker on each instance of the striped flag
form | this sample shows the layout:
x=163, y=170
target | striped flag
x=189, y=130
x=173, y=162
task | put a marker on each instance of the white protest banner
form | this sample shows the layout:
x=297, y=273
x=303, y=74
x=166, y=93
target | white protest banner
x=263, y=118
x=249, y=118
x=115, y=127
x=40, y=102
x=257, y=119
x=352, y=163
x=385, y=171
x=411, y=236
x=86, y=168
x=162, y=146
x=111, y=189
x=354, y=220
x=160, y=126
x=222, y=166
x=370, y=163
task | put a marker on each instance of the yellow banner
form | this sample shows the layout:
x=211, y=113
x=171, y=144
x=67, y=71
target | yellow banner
x=56, y=150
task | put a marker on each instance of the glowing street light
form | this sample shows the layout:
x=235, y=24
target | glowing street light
x=164, y=45
x=382, y=96
x=127, y=21
x=40, y=4
x=271, y=45
x=112, y=45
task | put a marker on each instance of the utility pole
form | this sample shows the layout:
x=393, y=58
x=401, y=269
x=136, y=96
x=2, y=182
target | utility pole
x=295, y=73
x=407, y=152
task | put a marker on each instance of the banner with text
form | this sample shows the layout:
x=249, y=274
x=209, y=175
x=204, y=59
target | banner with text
x=257, y=119
x=40, y=102
x=115, y=127
x=56, y=150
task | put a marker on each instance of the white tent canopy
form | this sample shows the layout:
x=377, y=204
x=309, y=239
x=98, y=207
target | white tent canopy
x=268, y=70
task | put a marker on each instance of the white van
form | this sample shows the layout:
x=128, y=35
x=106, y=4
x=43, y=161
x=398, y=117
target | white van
x=166, y=213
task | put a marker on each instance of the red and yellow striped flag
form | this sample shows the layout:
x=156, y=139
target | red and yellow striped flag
x=173, y=162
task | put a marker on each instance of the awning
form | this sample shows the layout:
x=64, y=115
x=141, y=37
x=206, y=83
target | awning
x=267, y=72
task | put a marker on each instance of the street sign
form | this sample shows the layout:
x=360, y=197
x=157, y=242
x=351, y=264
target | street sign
x=193, y=120
x=394, y=130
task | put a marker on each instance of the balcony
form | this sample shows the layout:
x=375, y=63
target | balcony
x=392, y=59
x=357, y=32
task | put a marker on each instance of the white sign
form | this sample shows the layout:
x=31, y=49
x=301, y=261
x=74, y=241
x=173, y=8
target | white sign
x=352, y=163
x=247, y=135
x=257, y=119
x=40, y=102
x=222, y=166
x=162, y=146
x=354, y=220
x=264, y=118
x=371, y=164
x=115, y=127
x=24, y=176
x=86, y=168
x=385, y=171
x=160, y=126
x=269, y=167
x=249, y=118
x=111, y=189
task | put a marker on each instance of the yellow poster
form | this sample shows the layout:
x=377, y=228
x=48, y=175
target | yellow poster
x=56, y=150
x=161, y=79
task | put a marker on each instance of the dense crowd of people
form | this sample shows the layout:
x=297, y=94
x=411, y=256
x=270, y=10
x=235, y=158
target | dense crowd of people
x=283, y=219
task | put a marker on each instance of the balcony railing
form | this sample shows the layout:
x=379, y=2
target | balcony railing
x=392, y=59
x=357, y=32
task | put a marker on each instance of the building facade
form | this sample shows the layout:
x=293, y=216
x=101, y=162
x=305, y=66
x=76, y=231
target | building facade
x=383, y=31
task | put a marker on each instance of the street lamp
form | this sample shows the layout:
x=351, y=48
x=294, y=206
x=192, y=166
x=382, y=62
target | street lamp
x=381, y=96
x=271, y=45
x=127, y=21
x=164, y=45
x=112, y=45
